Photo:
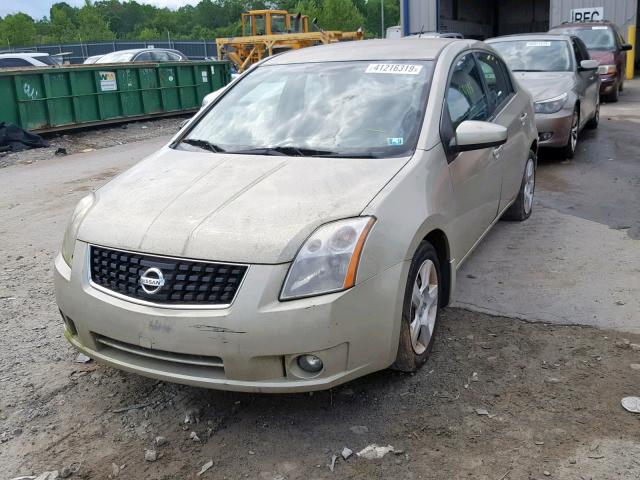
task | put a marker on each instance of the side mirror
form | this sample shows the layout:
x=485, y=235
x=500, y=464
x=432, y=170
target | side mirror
x=626, y=47
x=474, y=135
x=589, y=65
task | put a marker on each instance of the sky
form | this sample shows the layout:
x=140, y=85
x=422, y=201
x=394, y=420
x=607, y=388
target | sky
x=40, y=8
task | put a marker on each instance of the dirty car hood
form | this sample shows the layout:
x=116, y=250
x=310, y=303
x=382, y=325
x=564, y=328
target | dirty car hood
x=545, y=85
x=235, y=208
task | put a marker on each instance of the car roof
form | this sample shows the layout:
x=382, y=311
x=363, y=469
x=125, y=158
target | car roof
x=395, y=49
x=601, y=23
x=23, y=55
x=530, y=36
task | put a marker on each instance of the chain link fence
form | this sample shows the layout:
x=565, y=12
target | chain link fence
x=78, y=52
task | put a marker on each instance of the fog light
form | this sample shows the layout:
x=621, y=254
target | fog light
x=310, y=363
x=543, y=137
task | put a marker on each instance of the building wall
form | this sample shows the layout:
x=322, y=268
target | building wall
x=421, y=15
x=621, y=12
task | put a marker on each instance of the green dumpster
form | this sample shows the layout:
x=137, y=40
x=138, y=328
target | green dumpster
x=50, y=99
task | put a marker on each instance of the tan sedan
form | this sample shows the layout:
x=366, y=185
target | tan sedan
x=305, y=228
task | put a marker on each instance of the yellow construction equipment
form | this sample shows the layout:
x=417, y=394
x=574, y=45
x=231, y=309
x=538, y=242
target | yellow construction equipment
x=265, y=32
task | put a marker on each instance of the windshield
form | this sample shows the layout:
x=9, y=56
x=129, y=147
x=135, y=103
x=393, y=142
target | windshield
x=535, y=56
x=327, y=109
x=116, y=57
x=598, y=37
x=46, y=59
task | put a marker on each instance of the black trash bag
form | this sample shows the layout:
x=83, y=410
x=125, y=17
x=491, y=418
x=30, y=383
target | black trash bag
x=15, y=139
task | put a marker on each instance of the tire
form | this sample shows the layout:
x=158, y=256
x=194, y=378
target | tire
x=614, y=96
x=420, y=312
x=521, y=209
x=569, y=150
x=595, y=120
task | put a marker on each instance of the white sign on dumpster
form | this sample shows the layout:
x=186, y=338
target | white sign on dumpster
x=108, y=81
x=590, y=14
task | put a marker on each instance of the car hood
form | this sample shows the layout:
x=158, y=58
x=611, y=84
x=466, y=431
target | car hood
x=605, y=57
x=545, y=85
x=234, y=208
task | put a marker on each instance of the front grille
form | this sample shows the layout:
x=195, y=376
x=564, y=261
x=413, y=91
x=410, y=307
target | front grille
x=186, y=282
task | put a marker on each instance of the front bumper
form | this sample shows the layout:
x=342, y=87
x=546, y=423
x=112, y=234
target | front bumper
x=250, y=346
x=554, y=128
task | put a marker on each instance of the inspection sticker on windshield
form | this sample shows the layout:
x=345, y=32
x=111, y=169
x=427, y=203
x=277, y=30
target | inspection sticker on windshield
x=395, y=141
x=538, y=44
x=394, y=68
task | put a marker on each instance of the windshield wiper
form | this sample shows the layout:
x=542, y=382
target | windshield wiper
x=283, y=150
x=204, y=144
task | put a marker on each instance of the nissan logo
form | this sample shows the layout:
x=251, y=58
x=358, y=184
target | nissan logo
x=152, y=280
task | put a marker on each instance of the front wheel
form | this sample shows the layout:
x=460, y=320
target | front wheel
x=570, y=148
x=523, y=206
x=421, y=309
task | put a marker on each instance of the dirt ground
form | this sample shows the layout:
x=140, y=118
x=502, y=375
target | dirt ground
x=499, y=399
x=89, y=139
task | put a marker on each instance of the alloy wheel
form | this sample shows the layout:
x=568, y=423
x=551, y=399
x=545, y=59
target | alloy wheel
x=424, y=306
x=529, y=186
x=574, y=131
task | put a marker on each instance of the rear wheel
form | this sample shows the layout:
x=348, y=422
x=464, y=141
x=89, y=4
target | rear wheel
x=523, y=206
x=421, y=309
x=572, y=143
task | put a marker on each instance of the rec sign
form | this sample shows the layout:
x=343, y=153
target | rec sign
x=592, y=14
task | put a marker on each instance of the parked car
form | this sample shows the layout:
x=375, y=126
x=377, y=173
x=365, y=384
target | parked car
x=92, y=59
x=26, y=60
x=562, y=79
x=306, y=228
x=607, y=45
x=143, y=55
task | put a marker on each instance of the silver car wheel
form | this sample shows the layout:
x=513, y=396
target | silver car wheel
x=574, y=131
x=424, y=306
x=529, y=185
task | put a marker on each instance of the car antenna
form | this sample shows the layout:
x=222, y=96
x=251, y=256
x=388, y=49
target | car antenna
x=421, y=31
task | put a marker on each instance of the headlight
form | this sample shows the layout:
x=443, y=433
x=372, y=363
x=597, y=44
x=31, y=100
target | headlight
x=328, y=260
x=607, y=69
x=71, y=233
x=552, y=105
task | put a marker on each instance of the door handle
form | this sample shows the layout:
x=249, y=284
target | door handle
x=497, y=151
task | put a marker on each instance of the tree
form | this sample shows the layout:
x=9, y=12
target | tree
x=91, y=25
x=63, y=27
x=18, y=30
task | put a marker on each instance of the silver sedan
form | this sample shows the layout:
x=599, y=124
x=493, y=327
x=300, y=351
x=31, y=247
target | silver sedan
x=563, y=80
x=306, y=227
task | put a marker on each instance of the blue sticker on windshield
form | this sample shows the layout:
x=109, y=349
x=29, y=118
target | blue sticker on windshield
x=395, y=141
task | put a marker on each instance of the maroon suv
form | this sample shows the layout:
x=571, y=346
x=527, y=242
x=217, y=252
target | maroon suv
x=607, y=45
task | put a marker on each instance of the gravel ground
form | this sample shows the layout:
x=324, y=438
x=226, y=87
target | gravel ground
x=499, y=399
x=89, y=139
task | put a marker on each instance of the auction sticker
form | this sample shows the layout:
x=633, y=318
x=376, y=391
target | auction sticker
x=538, y=44
x=394, y=68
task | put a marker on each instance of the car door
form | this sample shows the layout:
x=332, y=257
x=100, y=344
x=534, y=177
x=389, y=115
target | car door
x=587, y=87
x=511, y=111
x=475, y=175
